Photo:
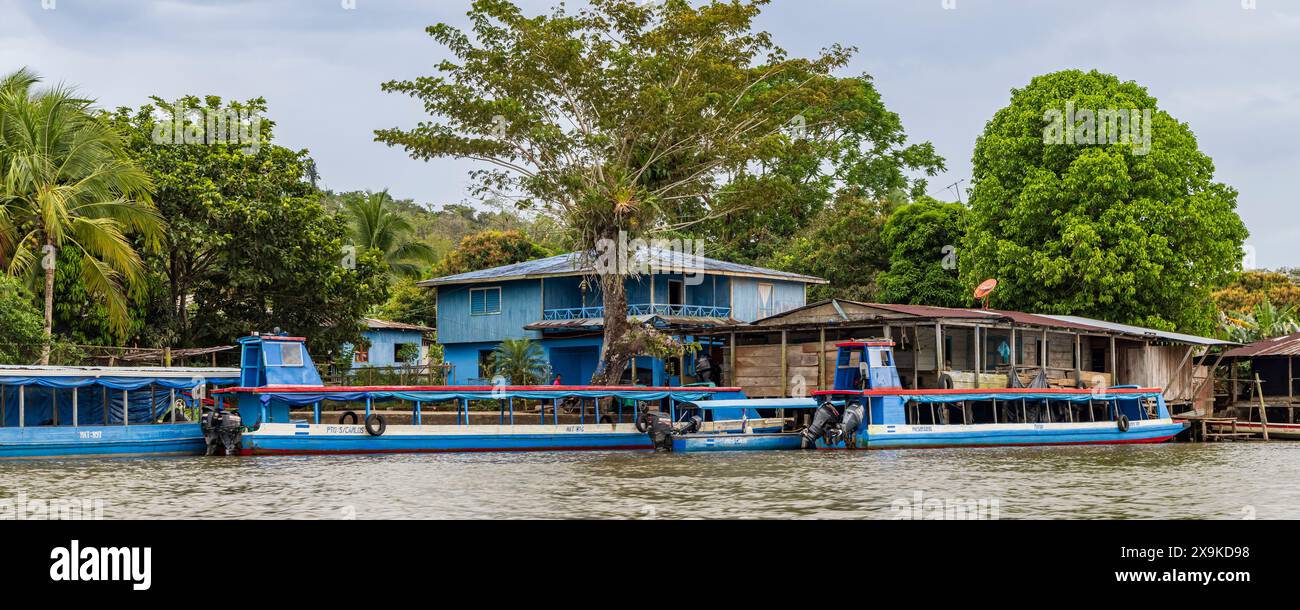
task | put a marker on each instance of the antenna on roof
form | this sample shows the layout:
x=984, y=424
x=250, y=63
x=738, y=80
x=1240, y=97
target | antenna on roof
x=983, y=290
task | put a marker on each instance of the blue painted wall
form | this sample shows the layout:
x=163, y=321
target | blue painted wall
x=744, y=298
x=383, y=345
x=521, y=304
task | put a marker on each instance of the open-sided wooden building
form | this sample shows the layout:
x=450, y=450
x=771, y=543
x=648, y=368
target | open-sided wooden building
x=792, y=353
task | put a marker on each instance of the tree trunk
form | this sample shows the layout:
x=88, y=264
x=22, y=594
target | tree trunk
x=614, y=352
x=47, y=261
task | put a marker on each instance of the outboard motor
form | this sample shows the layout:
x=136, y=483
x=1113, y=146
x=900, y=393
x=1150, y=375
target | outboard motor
x=825, y=425
x=659, y=427
x=222, y=430
x=854, y=415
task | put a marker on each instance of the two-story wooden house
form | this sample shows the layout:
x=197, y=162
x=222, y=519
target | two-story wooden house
x=557, y=301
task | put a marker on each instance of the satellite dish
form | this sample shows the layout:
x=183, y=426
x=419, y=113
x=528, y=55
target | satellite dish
x=984, y=289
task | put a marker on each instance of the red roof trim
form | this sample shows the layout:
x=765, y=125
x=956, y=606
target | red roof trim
x=307, y=389
x=865, y=344
x=1009, y=391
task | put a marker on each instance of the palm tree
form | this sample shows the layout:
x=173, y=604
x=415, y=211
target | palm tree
x=375, y=224
x=520, y=362
x=66, y=181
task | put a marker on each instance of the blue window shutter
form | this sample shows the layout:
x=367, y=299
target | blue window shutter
x=476, y=302
x=492, y=300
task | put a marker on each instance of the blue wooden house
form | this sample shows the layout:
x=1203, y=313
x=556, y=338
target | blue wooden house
x=557, y=302
x=385, y=341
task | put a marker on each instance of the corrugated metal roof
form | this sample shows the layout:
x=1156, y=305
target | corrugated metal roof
x=1286, y=345
x=1150, y=333
x=386, y=325
x=1077, y=323
x=568, y=264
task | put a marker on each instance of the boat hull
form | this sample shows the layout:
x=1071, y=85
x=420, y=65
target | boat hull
x=1003, y=435
x=314, y=439
x=694, y=443
x=145, y=440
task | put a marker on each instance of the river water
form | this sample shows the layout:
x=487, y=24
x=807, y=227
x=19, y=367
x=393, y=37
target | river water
x=1168, y=481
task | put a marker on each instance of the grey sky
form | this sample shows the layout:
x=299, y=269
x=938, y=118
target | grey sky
x=1228, y=71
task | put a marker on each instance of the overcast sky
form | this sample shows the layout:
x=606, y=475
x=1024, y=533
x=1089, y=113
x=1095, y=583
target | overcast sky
x=1228, y=71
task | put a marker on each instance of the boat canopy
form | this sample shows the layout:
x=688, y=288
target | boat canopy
x=307, y=395
x=1065, y=394
x=754, y=403
x=42, y=395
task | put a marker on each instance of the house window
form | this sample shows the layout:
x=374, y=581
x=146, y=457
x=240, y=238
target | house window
x=484, y=301
x=675, y=293
x=765, y=300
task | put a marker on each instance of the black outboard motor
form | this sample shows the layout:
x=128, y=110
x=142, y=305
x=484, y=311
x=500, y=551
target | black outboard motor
x=222, y=430
x=825, y=425
x=854, y=415
x=661, y=428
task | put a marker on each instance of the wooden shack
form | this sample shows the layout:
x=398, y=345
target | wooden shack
x=792, y=353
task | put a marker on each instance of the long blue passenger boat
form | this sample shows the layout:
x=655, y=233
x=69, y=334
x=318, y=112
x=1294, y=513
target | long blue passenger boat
x=277, y=375
x=869, y=409
x=57, y=411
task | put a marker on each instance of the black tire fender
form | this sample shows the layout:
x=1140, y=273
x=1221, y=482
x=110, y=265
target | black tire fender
x=1122, y=423
x=352, y=415
x=376, y=425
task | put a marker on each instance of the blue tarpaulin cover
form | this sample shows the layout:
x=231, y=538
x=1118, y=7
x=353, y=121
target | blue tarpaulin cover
x=41, y=393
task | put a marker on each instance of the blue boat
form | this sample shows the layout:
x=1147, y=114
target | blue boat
x=57, y=412
x=869, y=409
x=277, y=375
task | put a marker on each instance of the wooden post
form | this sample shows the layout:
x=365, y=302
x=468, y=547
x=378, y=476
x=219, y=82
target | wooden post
x=1263, y=408
x=821, y=358
x=1114, y=363
x=1042, y=356
x=1015, y=352
x=979, y=365
x=1290, y=391
x=1078, y=362
x=785, y=381
x=916, y=358
x=731, y=362
x=167, y=356
x=938, y=351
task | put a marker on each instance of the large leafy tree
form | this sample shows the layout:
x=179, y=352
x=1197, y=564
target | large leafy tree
x=488, y=249
x=251, y=245
x=1254, y=287
x=376, y=224
x=842, y=245
x=624, y=116
x=69, y=182
x=921, y=240
x=1138, y=233
x=22, y=332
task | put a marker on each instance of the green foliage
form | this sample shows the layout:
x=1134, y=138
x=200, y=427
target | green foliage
x=1263, y=321
x=921, y=240
x=520, y=362
x=69, y=183
x=22, y=331
x=377, y=225
x=490, y=249
x=410, y=304
x=842, y=246
x=1099, y=229
x=408, y=353
x=1250, y=288
x=251, y=245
